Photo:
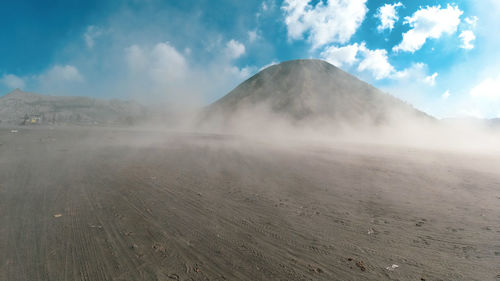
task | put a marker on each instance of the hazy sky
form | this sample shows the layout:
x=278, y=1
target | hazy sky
x=440, y=56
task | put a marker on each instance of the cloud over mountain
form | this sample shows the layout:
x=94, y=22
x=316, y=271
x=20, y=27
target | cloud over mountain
x=333, y=21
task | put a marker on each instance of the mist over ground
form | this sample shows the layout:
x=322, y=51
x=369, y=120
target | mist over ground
x=299, y=99
x=313, y=100
x=151, y=204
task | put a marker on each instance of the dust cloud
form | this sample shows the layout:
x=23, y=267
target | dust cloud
x=279, y=180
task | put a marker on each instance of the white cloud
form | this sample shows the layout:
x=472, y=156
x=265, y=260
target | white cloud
x=159, y=66
x=417, y=72
x=161, y=72
x=340, y=56
x=12, y=81
x=60, y=73
x=252, y=35
x=376, y=62
x=446, y=95
x=429, y=22
x=467, y=37
x=472, y=21
x=269, y=64
x=61, y=79
x=331, y=21
x=240, y=73
x=431, y=79
x=166, y=62
x=265, y=7
x=91, y=34
x=235, y=49
x=489, y=88
x=388, y=16
x=136, y=58
x=483, y=100
x=162, y=60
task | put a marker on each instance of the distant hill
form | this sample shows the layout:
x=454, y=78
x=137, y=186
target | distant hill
x=17, y=104
x=472, y=121
x=302, y=90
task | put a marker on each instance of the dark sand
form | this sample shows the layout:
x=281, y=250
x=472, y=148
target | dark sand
x=98, y=204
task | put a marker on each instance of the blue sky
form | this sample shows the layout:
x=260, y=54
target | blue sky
x=440, y=56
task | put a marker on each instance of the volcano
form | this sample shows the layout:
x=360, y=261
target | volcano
x=308, y=89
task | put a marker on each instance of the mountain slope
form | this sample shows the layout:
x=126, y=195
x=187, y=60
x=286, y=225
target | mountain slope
x=63, y=109
x=310, y=89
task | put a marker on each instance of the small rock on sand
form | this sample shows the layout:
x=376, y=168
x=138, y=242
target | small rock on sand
x=371, y=231
x=361, y=265
x=392, y=267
